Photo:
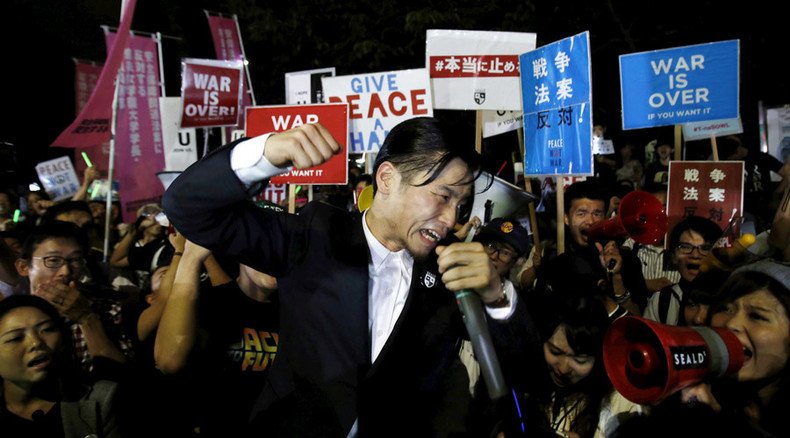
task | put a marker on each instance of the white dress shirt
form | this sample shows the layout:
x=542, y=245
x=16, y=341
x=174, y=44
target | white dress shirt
x=390, y=272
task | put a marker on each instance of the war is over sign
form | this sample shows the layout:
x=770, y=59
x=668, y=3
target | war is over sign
x=333, y=116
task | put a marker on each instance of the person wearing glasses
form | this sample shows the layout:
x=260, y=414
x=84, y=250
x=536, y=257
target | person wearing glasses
x=504, y=240
x=690, y=242
x=53, y=257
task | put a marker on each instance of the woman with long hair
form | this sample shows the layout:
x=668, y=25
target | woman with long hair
x=42, y=394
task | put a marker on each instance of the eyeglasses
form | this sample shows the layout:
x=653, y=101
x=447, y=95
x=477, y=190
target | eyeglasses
x=503, y=254
x=55, y=262
x=687, y=248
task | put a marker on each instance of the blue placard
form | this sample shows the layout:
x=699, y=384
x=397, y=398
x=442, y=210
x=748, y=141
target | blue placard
x=680, y=85
x=557, y=99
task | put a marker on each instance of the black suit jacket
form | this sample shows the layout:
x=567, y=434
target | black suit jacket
x=322, y=379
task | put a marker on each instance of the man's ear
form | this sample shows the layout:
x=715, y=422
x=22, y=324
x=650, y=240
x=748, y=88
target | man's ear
x=22, y=267
x=387, y=178
x=567, y=221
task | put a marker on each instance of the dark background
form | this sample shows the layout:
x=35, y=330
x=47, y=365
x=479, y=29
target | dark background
x=40, y=37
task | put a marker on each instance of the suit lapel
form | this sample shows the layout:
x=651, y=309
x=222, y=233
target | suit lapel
x=424, y=280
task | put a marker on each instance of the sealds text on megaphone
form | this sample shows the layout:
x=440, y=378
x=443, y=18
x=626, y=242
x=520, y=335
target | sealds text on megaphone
x=648, y=361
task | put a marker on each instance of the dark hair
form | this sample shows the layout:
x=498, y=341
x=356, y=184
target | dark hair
x=585, y=321
x=66, y=207
x=53, y=230
x=750, y=278
x=68, y=371
x=368, y=178
x=585, y=189
x=424, y=144
x=746, y=282
x=705, y=227
x=15, y=301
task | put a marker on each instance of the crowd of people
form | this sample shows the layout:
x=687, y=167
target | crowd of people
x=214, y=315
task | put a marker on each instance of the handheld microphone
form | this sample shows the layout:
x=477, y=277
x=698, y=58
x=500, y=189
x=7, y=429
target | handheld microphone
x=472, y=310
x=38, y=415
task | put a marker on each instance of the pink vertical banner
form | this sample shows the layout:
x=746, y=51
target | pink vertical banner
x=86, y=74
x=228, y=46
x=138, y=146
x=92, y=125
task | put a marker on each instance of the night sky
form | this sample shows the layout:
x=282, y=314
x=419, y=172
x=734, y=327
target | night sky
x=41, y=37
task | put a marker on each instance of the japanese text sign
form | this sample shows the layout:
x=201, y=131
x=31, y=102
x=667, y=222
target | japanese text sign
x=138, y=136
x=557, y=98
x=680, y=85
x=334, y=117
x=211, y=91
x=709, y=189
x=58, y=177
x=379, y=101
x=475, y=69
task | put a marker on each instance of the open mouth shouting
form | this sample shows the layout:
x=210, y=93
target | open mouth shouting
x=431, y=236
x=40, y=362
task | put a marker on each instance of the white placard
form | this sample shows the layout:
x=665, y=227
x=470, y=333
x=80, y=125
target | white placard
x=180, y=144
x=500, y=122
x=476, y=70
x=303, y=87
x=712, y=128
x=58, y=177
x=377, y=102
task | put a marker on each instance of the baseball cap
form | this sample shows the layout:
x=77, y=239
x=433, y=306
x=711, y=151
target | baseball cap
x=506, y=230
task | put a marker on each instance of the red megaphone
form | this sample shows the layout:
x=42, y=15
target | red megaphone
x=648, y=361
x=640, y=216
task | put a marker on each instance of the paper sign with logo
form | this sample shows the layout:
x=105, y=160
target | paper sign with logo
x=501, y=121
x=475, y=70
x=602, y=147
x=680, y=85
x=303, y=87
x=58, y=177
x=557, y=97
x=333, y=116
x=211, y=91
x=778, y=121
x=379, y=101
x=712, y=128
x=709, y=189
x=180, y=144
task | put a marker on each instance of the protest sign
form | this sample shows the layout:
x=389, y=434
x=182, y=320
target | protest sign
x=501, y=121
x=557, y=98
x=303, y=87
x=377, y=102
x=680, y=85
x=334, y=117
x=211, y=91
x=475, y=69
x=59, y=178
x=180, y=144
x=712, y=128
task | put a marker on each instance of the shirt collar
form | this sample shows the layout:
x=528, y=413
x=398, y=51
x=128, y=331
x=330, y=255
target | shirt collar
x=378, y=252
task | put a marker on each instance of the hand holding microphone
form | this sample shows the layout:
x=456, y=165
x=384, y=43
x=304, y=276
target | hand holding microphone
x=467, y=270
x=610, y=257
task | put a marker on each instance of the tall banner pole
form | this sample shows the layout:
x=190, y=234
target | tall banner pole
x=479, y=131
x=158, y=38
x=560, y=190
x=246, y=63
x=110, y=170
x=678, y=142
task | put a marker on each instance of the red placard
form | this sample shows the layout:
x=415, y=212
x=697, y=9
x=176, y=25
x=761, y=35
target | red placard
x=333, y=116
x=709, y=189
x=212, y=92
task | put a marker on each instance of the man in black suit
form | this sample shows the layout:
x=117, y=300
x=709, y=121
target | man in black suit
x=369, y=325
